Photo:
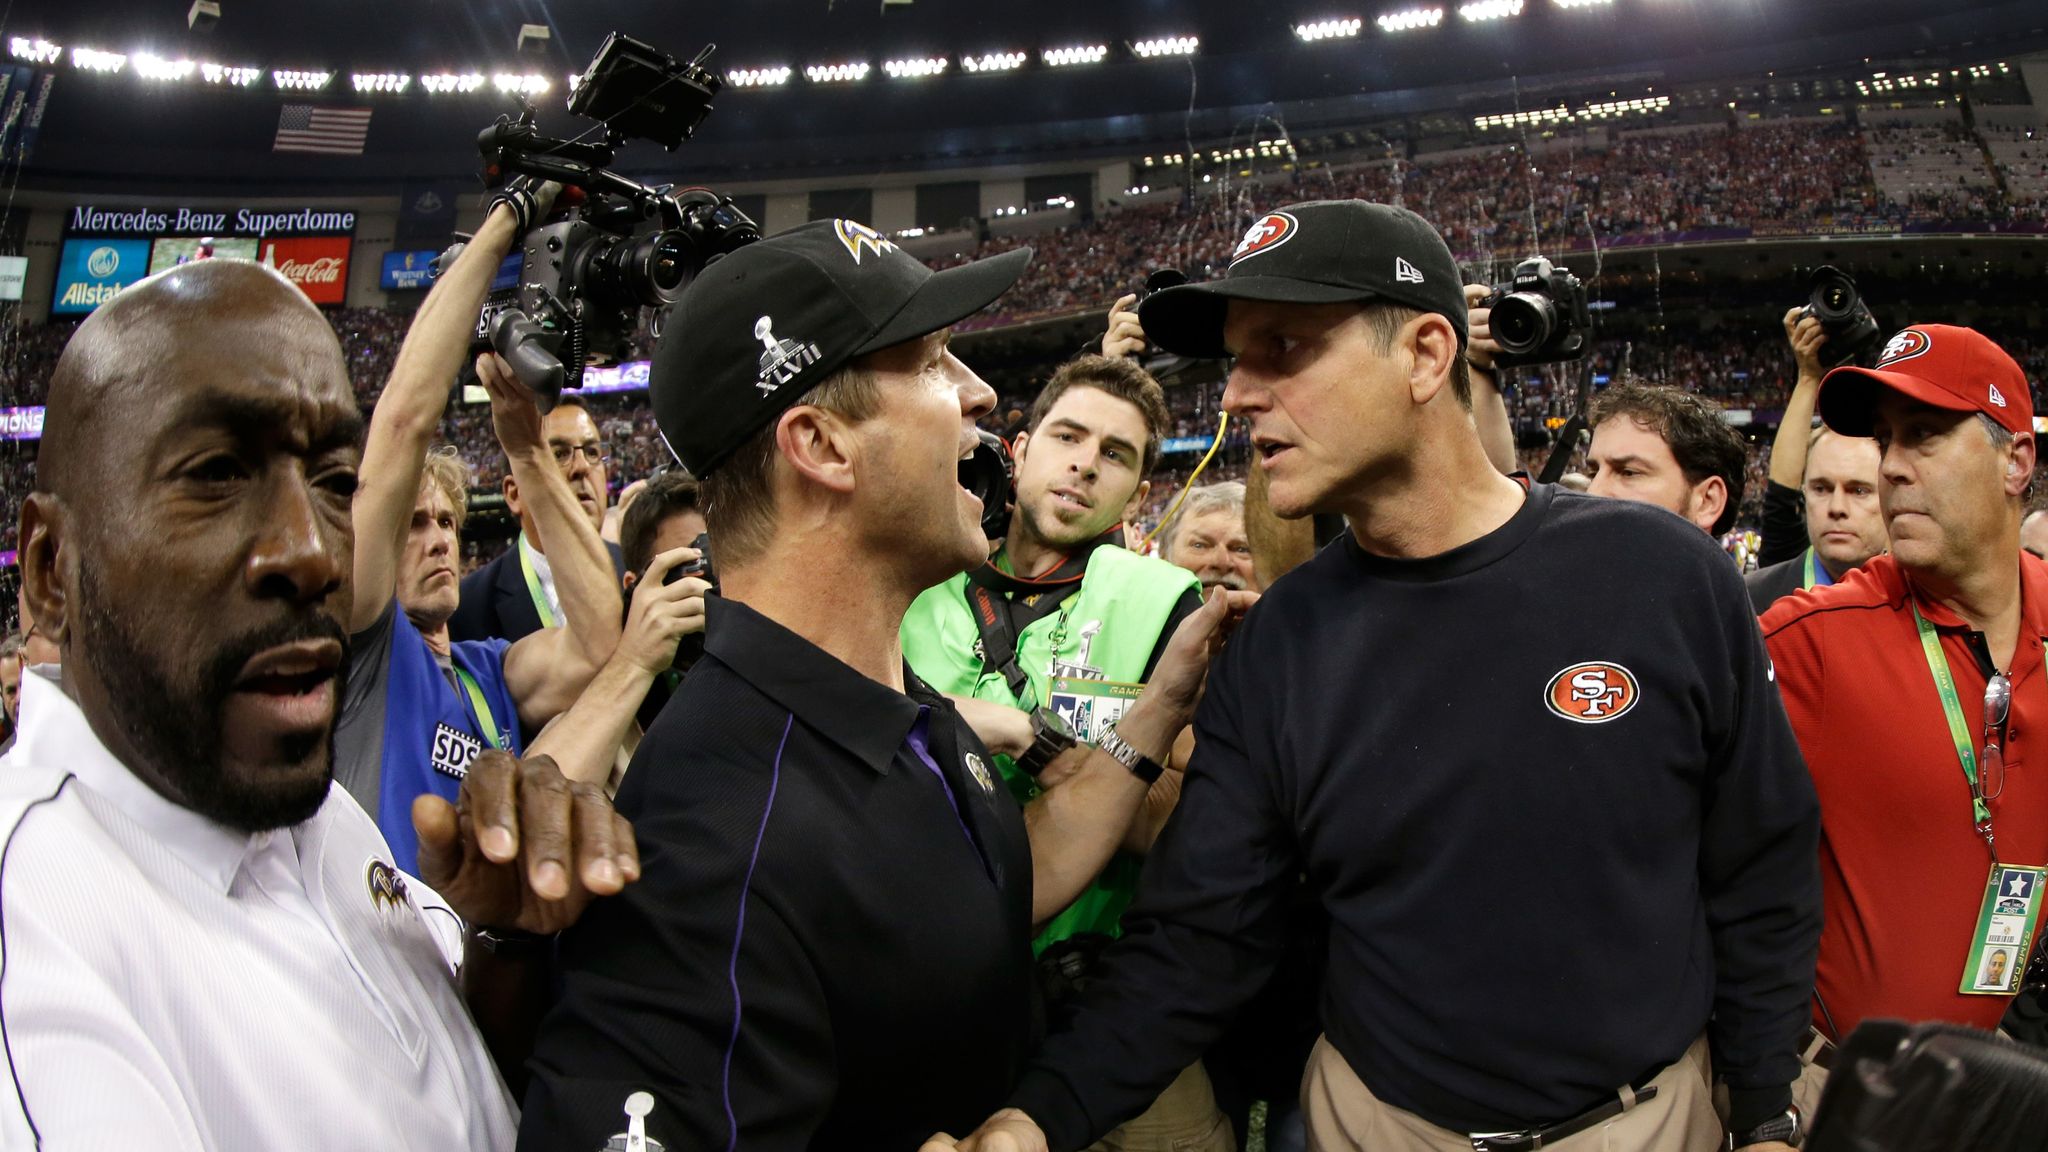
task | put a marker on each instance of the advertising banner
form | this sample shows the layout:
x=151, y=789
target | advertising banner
x=407, y=271
x=210, y=221
x=628, y=377
x=171, y=253
x=21, y=423
x=317, y=264
x=13, y=276
x=90, y=271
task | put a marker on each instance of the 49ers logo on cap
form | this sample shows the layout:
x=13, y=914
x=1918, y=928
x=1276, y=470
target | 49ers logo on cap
x=1591, y=693
x=1272, y=230
x=1907, y=344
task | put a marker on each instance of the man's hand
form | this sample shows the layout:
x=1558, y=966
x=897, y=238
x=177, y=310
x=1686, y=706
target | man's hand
x=1167, y=705
x=1480, y=345
x=1768, y=1146
x=1126, y=337
x=1804, y=333
x=523, y=848
x=1007, y=1131
x=1005, y=730
x=661, y=613
x=513, y=413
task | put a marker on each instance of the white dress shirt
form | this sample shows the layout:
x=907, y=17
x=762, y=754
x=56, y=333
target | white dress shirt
x=545, y=573
x=170, y=983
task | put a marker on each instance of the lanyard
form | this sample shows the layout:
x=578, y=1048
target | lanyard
x=1805, y=583
x=1952, y=707
x=533, y=588
x=481, y=708
x=1814, y=575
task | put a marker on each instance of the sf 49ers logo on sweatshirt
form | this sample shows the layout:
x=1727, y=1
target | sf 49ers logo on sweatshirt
x=1591, y=693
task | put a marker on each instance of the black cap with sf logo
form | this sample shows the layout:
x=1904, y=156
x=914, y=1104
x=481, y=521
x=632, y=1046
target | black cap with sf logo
x=761, y=327
x=1321, y=252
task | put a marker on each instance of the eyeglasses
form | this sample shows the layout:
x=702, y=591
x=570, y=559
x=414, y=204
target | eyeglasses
x=593, y=452
x=1991, y=765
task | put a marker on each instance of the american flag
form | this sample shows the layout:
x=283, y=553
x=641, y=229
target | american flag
x=306, y=128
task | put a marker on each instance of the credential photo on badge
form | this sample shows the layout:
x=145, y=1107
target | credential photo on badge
x=1998, y=973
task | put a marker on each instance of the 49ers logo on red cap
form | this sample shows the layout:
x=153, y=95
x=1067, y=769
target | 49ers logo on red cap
x=1272, y=230
x=1907, y=344
x=1591, y=693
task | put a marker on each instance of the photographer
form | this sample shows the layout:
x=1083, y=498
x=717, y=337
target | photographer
x=1441, y=722
x=420, y=708
x=831, y=945
x=1658, y=445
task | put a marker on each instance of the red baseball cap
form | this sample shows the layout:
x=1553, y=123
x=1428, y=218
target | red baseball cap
x=1958, y=369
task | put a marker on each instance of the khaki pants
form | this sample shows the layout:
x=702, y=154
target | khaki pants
x=1184, y=1119
x=1344, y=1116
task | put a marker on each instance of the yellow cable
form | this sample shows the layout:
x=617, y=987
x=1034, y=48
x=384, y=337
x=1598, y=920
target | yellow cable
x=1222, y=423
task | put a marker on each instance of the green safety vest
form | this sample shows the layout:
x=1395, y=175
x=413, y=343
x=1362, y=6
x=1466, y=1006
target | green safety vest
x=1111, y=626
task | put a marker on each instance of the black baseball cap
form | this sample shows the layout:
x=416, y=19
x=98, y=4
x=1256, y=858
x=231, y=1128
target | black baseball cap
x=1321, y=252
x=762, y=326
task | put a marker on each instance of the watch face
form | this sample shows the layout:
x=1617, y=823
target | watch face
x=1055, y=724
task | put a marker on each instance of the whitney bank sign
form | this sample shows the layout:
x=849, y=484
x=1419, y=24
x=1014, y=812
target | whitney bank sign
x=209, y=222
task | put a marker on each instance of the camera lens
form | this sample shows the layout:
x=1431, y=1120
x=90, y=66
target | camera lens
x=1834, y=298
x=1522, y=322
x=646, y=269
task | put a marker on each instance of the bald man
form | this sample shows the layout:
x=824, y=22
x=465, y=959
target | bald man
x=207, y=945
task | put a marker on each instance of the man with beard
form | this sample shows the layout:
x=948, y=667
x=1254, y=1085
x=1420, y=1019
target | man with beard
x=207, y=944
x=515, y=595
x=1207, y=537
x=1047, y=642
x=420, y=706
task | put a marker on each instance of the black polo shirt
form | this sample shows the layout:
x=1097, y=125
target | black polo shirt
x=830, y=943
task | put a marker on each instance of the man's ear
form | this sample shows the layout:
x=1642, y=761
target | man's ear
x=1017, y=447
x=1709, y=500
x=1137, y=501
x=819, y=446
x=2019, y=467
x=630, y=579
x=43, y=559
x=1434, y=344
x=512, y=504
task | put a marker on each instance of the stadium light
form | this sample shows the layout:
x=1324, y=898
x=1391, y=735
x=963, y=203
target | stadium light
x=452, y=82
x=152, y=67
x=305, y=81
x=758, y=77
x=37, y=51
x=93, y=60
x=993, y=62
x=521, y=83
x=1342, y=29
x=1480, y=11
x=1582, y=3
x=1167, y=46
x=836, y=73
x=914, y=67
x=1079, y=54
x=233, y=77
x=393, y=82
x=1411, y=18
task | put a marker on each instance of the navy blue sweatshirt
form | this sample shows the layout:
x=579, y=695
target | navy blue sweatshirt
x=1546, y=791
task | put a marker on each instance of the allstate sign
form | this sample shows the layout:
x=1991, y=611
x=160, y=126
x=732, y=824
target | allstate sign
x=91, y=271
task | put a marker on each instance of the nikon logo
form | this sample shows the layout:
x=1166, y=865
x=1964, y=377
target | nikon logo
x=83, y=295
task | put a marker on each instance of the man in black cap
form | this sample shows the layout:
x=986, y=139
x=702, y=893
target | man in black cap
x=834, y=945
x=1563, y=834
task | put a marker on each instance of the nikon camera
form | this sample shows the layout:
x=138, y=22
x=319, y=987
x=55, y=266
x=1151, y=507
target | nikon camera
x=1540, y=316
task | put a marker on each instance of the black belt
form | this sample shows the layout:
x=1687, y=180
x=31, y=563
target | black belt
x=1533, y=1138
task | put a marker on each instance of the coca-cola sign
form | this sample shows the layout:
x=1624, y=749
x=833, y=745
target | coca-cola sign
x=317, y=264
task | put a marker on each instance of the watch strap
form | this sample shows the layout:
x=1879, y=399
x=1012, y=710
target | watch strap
x=1142, y=766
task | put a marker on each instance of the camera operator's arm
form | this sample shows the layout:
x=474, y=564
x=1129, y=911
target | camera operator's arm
x=1090, y=799
x=1489, y=408
x=586, y=739
x=1784, y=534
x=548, y=669
x=409, y=411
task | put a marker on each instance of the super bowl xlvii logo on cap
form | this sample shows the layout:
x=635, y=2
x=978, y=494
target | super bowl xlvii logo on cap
x=857, y=236
x=1904, y=346
x=783, y=360
x=1272, y=230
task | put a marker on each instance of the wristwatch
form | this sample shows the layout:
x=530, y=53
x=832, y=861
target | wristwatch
x=1784, y=1128
x=1050, y=736
x=1142, y=766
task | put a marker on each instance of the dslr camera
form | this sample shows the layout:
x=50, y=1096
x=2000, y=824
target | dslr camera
x=588, y=271
x=1833, y=300
x=1539, y=316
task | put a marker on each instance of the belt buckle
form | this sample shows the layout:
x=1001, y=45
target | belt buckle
x=1526, y=1140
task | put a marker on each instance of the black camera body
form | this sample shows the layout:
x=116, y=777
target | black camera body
x=1833, y=300
x=990, y=473
x=1539, y=316
x=590, y=270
